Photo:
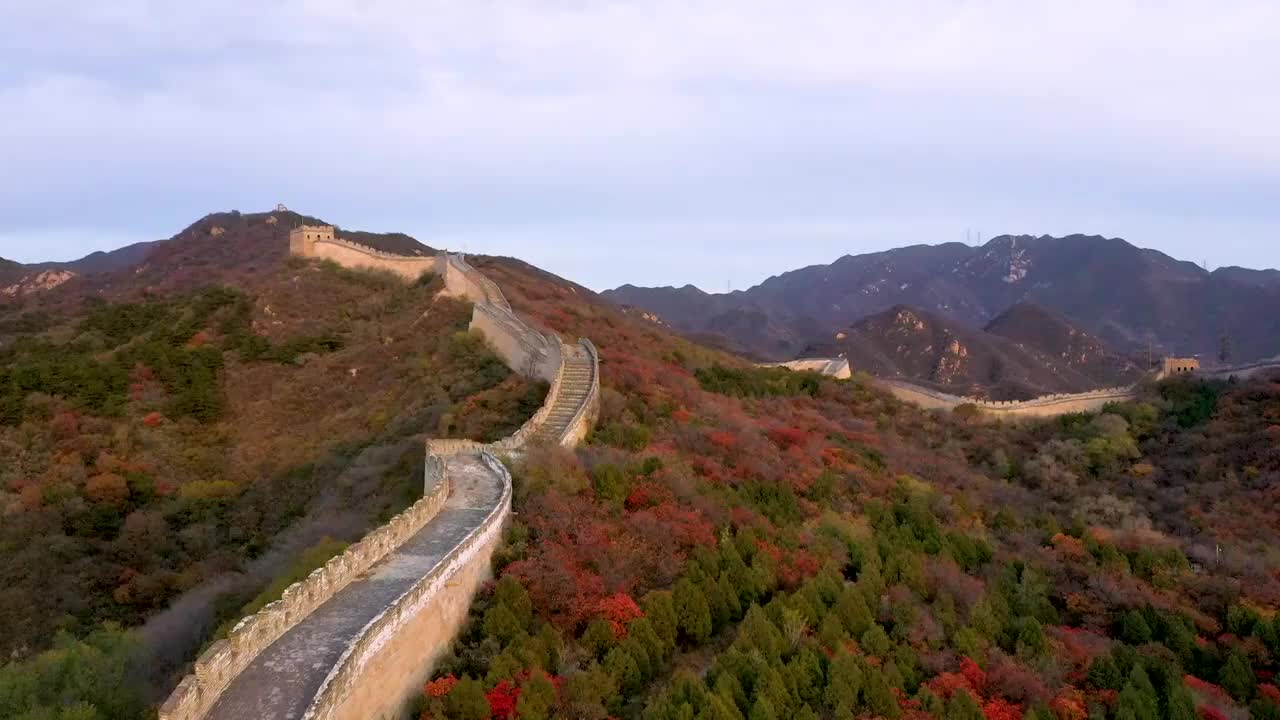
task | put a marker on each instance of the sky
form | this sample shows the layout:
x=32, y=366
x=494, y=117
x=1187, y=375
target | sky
x=653, y=142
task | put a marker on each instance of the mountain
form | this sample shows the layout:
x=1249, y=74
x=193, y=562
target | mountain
x=220, y=247
x=1124, y=295
x=184, y=419
x=933, y=350
x=1039, y=330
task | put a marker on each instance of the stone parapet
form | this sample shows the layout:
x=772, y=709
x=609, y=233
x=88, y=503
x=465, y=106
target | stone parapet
x=225, y=659
x=333, y=700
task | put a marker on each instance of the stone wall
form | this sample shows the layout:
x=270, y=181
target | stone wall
x=1044, y=406
x=394, y=653
x=523, y=348
x=225, y=659
x=320, y=242
x=831, y=367
x=589, y=413
x=1242, y=372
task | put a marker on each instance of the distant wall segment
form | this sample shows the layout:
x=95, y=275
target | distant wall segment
x=1043, y=406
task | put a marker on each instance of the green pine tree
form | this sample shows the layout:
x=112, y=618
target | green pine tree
x=692, y=613
x=853, y=612
x=844, y=685
x=1104, y=675
x=1139, y=697
x=1237, y=677
x=1179, y=704
x=875, y=641
x=762, y=710
x=1134, y=629
x=879, y=697
x=467, y=701
x=537, y=698
x=963, y=706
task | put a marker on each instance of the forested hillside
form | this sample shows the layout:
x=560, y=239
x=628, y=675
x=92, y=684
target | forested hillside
x=171, y=461
x=731, y=542
x=736, y=542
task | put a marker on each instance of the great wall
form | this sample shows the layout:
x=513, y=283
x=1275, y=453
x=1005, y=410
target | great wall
x=1043, y=406
x=356, y=638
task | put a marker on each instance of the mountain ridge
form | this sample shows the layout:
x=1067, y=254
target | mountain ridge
x=1125, y=295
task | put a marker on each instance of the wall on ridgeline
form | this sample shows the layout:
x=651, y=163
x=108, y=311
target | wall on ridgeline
x=523, y=348
x=1241, y=372
x=319, y=241
x=837, y=368
x=392, y=655
x=227, y=658
x=1044, y=406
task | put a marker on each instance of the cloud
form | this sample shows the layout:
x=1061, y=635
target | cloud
x=511, y=119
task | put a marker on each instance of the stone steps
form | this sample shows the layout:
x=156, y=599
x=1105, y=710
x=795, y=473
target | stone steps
x=576, y=378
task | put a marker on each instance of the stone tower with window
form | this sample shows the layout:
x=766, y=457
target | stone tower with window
x=302, y=239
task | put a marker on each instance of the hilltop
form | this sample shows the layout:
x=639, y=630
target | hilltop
x=1025, y=352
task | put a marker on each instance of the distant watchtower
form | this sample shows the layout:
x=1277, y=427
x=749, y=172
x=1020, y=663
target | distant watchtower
x=302, y=239
x=1178, y=366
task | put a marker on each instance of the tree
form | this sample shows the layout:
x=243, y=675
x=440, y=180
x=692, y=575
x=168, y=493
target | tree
x=1031, y=640
x=622, y=667
x=1237, y=677
x=660, y=610
x=875, y=641
x=758, y=631
x=1104, y=675
x=588, y=694
x=692, y=613
x=879, y=697
x=1138, y=698
x=598, y=638
x=853, y=612
x=467, y=701
x=501, y=623
x=963, y=706
x=1135, y=629
x=537, y=698
x=843, y=685
x=762, y=710
x=1179, y=703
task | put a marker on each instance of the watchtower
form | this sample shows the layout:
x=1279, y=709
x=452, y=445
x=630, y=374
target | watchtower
x=1178, y=366
x=302, y=239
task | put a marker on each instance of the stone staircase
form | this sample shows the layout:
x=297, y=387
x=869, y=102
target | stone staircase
x=575, y=385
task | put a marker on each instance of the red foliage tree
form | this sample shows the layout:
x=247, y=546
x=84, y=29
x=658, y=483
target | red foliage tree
x=1001, y=709
x=974, y=674
x=502, y=700
x=1069, y=705
x=619, y=609
x=439, y=687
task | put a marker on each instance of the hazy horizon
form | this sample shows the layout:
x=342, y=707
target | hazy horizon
x=714, y=143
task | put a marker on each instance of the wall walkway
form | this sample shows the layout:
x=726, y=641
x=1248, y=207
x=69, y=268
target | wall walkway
x=285, y=677
x=356, y=638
